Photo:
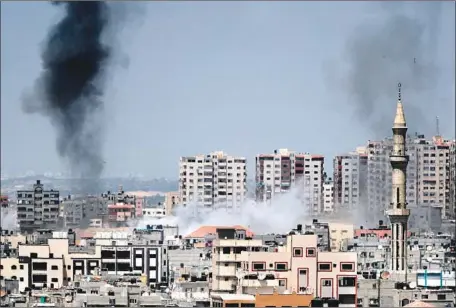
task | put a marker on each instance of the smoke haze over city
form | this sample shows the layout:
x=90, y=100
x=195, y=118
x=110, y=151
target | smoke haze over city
x=227, y=68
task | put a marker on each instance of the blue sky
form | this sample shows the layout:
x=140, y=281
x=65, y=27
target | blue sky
x=243, y=77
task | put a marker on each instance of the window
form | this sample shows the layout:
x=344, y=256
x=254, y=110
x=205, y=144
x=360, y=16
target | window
x=327, y=282
x=297, y=252
x=347, y=282
x=39, y=278
x=33, y=255
x=39, y=266
x=54, y=267
x=324, y=267
x=283, y=283
x=347, y=267
x=310, y=252
x=258, y=266
x=13, y=267
x=54, y=279
x=441, y=297
x=69, y=267
x=281, y=266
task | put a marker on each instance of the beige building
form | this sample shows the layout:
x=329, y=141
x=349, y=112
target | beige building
x=245, y=266
x=215, y=179
x=172, y=199
x=278, y=172
x=338, y=233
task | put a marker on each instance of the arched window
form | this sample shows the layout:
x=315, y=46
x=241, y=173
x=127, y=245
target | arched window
x=13, y=267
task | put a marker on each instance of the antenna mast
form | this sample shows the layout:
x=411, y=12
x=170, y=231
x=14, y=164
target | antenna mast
x=399, y=91
x=437, y=124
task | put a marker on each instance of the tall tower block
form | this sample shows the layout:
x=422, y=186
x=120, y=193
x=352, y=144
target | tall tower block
x=398, y=212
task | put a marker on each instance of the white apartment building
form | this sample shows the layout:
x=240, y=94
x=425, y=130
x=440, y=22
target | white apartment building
x=350, y=181
x=56, y=263
x=434, y=172
x=429, y=173
x=215, y=179
x=277, y=173
x=379, y=175
x=328, y=196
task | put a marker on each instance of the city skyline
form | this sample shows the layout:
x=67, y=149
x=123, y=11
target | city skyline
x=236, y=62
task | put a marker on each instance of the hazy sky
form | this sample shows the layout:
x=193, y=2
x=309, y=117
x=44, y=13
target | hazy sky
x=243, y=77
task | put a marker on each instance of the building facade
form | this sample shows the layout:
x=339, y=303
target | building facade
x=328, y=196
x=211, y=180
x=244, y=266
x=172, y=199
x=451, y=210
x=350, y=181
x=37, y=208
x=277, y=173
x=57, y=263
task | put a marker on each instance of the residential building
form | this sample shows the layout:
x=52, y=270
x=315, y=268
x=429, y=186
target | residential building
x=273, y=299
x=154, y=212
x=380, y=176
x=119, y=214
x=277, y=173
x=429, y=173
x=172, y=199
x=338, y=232
x=37, y=208
x=57, y=263
x=434, y=172
x=451, y=210
x=211, y=180
x=245, y=266
x=140, y=205
x=78, y=211
x=350, y=181
x=328, y=196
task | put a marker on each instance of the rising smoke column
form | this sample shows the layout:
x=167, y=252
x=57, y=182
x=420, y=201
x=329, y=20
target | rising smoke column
x=70, y=89
x=399, y=45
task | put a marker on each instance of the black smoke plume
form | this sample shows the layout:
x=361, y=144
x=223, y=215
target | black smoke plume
x=397, y=44
x=71, y=86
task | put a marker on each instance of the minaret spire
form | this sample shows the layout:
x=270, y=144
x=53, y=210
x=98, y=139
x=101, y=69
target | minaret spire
x=398, y=212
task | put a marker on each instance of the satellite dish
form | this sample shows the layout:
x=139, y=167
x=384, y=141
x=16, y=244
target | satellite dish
x=412, y=285
x=380, y=247
x=429, y=248
x=262, y=276
x=385, y=275
x=429, y=259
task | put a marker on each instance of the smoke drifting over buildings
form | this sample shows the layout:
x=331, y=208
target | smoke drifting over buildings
x=398, y=45
x=70, y=89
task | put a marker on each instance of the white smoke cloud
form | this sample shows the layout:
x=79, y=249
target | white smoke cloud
x=8, y=218
x=278, y=216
